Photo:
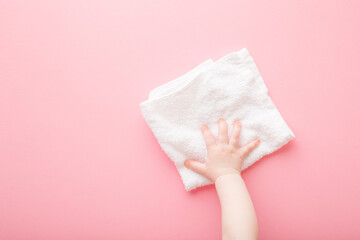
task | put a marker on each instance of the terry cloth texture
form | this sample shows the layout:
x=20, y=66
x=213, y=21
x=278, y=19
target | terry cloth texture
x=230, y=88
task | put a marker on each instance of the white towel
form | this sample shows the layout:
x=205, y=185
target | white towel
x=230, y=88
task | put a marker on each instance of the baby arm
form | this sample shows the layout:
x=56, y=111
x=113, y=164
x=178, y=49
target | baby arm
x=223, y=167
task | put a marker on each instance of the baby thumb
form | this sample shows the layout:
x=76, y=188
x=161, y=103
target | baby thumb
x=195, y=166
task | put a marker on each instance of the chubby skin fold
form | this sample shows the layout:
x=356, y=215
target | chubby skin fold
x=223, y=167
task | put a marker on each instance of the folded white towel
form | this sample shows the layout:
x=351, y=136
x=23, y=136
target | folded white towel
x=230, y=88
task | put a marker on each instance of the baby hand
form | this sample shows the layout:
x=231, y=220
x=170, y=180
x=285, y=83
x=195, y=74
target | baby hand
x=226, y=156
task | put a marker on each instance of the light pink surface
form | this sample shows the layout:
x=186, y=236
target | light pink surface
x=77, y=160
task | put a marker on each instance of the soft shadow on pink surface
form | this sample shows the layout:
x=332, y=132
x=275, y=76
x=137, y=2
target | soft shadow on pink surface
x=206, y=188
x=77, y=160
x=286, y=149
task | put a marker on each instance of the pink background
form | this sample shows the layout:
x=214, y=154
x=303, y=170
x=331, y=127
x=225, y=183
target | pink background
x=77, y=160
